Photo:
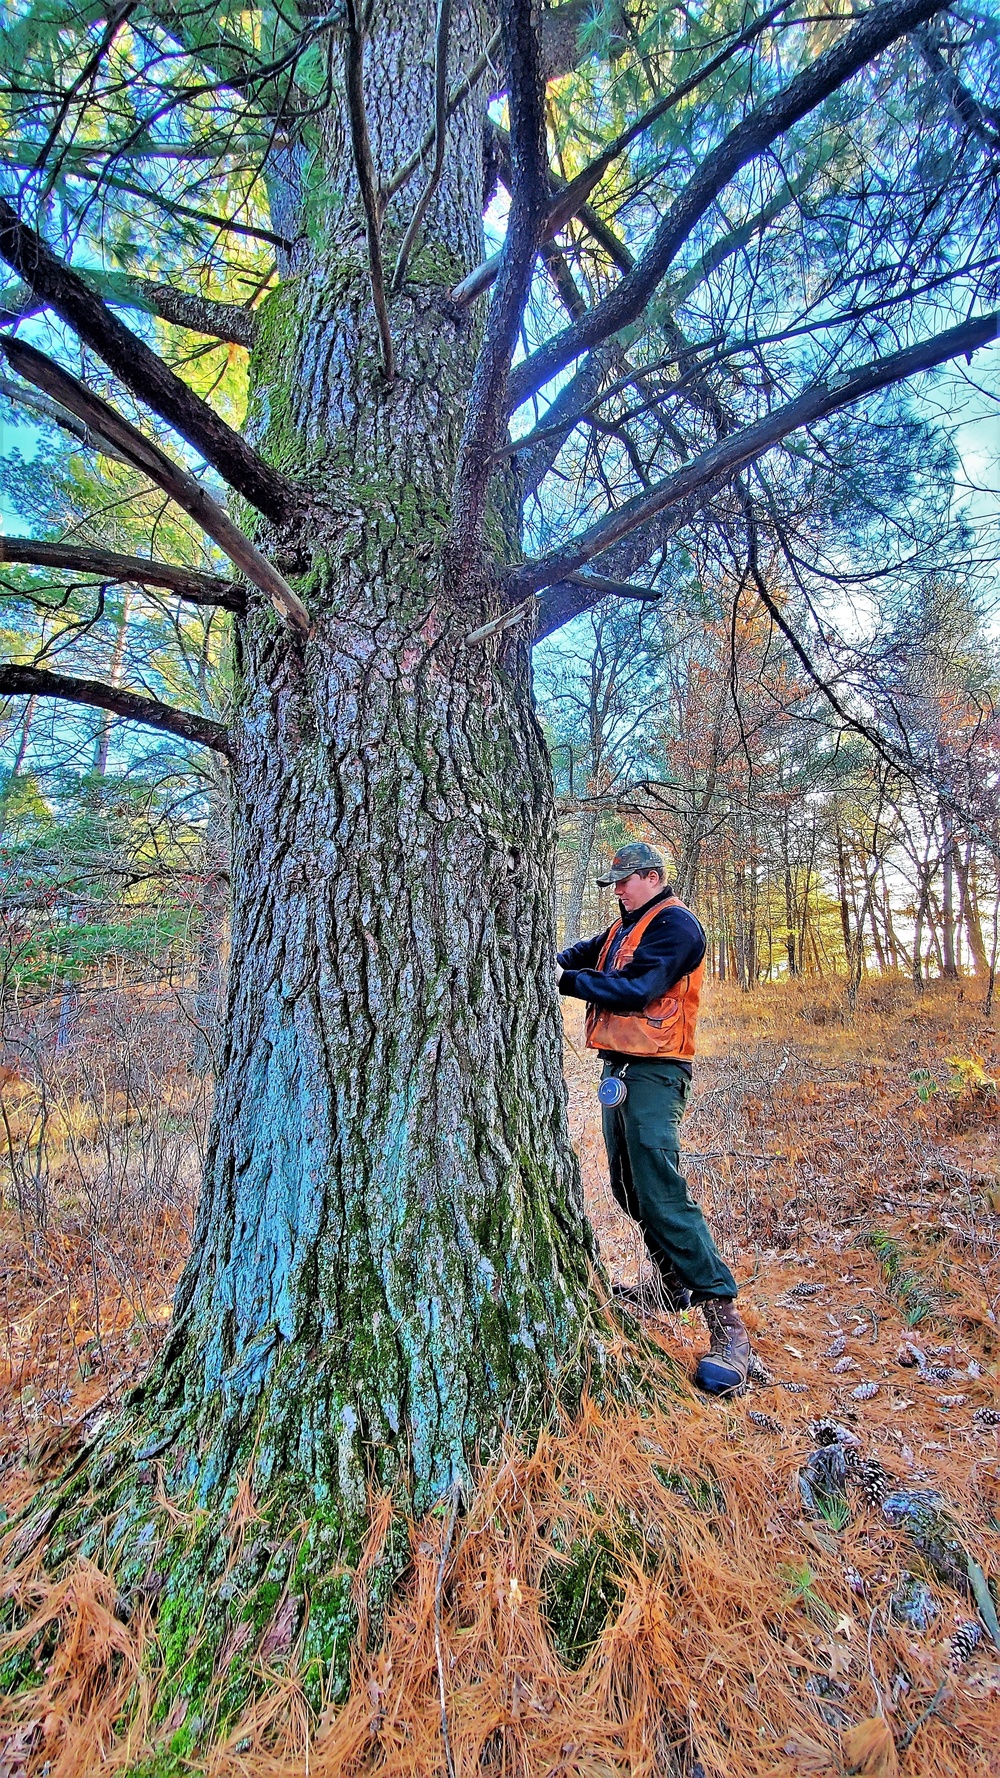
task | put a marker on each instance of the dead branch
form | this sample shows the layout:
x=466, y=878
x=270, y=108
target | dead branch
x=139, y=368
x=161, y=469
x=187, y=583
x=440, y=139
x=568, y=199
x=50, y=410
x=33, y=682
x=355, y=85
x=603, y=588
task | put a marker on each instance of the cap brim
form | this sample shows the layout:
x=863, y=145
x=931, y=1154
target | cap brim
x=607, y=882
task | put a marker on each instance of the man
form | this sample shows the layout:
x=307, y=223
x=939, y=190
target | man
x=641, y=980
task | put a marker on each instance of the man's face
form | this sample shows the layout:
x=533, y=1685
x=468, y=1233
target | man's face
x=634, y=891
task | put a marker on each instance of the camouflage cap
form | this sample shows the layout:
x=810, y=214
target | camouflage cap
x=637, y=856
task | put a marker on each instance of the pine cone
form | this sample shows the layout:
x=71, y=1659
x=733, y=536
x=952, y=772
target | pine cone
x=764, y=1421
x=987, y=1417
x=964, y=1643
x=868, y=1476
x=831, y=1432
x=757, y=1371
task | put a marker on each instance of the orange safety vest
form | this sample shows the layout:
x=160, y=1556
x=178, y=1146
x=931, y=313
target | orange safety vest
x=666, y=1026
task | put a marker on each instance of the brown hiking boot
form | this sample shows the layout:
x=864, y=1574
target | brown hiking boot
x=723, y=1370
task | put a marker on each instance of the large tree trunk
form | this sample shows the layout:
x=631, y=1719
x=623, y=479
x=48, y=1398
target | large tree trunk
x=391, y=1260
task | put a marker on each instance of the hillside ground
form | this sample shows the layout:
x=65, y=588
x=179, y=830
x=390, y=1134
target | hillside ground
x=684, y=1587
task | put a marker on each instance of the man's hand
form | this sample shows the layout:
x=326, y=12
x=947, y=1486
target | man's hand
x=559, y=974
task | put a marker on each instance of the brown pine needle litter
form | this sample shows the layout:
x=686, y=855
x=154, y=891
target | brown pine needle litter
x=641, y=1593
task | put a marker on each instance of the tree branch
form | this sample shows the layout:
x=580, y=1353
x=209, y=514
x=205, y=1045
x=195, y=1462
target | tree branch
x=625, y=303
x=146, y=375
x=33, y=682
x=440, y=137
x=355, y=87
x=161, y=469
x=487, y=396
x=60, y=416
x=982, y=121
x=186, y=583
x=603, y=588
x=458, y=92
x=569, y=198
x=182, y=308
x=742, y=447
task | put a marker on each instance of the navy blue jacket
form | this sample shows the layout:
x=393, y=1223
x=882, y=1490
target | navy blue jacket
x=671, y=947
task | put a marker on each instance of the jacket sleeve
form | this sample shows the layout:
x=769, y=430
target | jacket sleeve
x=584, y=954
x=671, y=948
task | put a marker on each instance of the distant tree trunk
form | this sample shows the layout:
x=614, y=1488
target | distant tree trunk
x=922, y=911
x=949, y=966
x=895, y=949
x=102, y=738
x=739, y=927
x=994, y=942
x=790, y=925
x=845, y=914
x=969, y=910
x=24, y=737
x=586, y=833
x=934, y=947
x=876, y=935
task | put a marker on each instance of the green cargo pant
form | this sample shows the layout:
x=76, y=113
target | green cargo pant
x=642, y=1138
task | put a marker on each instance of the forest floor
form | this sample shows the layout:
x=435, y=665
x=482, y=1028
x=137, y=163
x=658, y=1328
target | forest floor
x=730, y=1624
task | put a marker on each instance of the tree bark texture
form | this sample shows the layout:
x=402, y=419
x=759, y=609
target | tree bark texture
x=391, y=1260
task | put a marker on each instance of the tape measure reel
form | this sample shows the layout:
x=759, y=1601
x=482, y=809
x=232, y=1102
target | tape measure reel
x=612, y=1091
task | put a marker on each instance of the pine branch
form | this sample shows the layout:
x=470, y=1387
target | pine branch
x=37, y=403
x=176, y=481
x=184, y=308
x=364, y=167
x=569, y=198
x=35, y=682
x=146, y=375
x=440, y=138
x=186, y=583
x=487, y=396
x=626, y=302
x=460, y=91
x=724, y=458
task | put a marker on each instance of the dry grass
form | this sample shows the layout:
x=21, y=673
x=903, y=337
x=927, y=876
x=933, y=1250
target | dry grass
x=734, y=1636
